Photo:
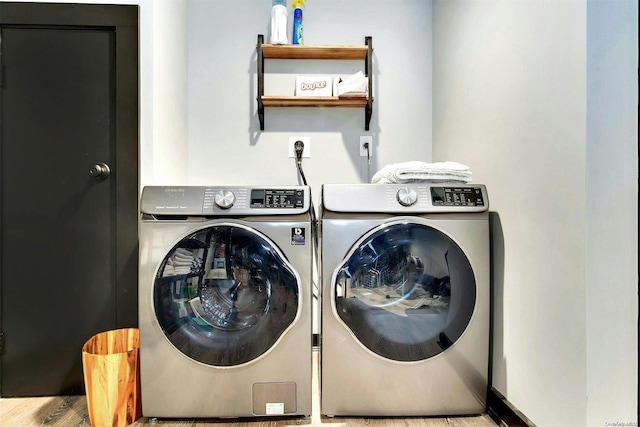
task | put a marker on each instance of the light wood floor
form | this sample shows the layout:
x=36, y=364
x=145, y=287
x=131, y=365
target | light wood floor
x=71, y=411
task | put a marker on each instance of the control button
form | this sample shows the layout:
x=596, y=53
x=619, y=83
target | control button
x=406, y=196
x=224, y=199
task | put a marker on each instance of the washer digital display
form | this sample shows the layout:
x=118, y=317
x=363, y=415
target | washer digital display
x=282, y=198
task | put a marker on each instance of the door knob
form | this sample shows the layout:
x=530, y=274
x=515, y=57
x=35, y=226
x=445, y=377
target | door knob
x=100, y=171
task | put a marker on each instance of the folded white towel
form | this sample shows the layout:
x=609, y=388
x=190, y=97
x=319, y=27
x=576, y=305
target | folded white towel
x=182, y=258
x=168, y=271
x=416, y=171
x=181, y=264
x=183, y=251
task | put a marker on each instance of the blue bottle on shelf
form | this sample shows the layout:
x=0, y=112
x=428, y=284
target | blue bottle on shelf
x=297, y=27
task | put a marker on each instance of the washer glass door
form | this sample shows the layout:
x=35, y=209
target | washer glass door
x=224, y=295
x=406, y=291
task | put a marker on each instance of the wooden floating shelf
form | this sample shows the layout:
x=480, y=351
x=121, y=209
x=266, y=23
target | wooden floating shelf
x=314, y=101
x=275, y=51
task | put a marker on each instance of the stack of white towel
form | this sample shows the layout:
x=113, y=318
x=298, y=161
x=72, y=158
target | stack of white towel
x=415, y=171
x=181, y=262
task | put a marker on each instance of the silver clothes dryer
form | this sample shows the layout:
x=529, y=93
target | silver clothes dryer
x=225, y=301
x=405, y=299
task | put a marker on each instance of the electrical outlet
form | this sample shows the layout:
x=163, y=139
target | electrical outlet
x=366, y=139
x=306, y=140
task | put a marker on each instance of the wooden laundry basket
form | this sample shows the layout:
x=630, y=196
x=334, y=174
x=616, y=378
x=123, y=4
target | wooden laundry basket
x=110, y=361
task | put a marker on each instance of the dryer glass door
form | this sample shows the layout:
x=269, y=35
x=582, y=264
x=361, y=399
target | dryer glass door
x=406, y=291
x=224, y=295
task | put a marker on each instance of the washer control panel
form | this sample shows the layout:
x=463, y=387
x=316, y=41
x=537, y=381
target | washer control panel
x=225, y=200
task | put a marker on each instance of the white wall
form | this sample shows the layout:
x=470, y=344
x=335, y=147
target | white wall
x=225, y=143
x=510, y=99
x=612, y=211
x=168, y=164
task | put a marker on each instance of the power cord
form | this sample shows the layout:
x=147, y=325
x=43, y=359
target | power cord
x=366, y=146
x=298, y=147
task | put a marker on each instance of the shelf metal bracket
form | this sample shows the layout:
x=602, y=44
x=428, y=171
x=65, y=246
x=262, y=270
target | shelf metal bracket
x=368, y=70
x=260, y=65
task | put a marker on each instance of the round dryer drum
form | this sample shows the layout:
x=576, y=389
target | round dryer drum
x=405, y=290
x=225, y=294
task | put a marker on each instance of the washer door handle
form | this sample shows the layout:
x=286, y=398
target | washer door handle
x=100, y=171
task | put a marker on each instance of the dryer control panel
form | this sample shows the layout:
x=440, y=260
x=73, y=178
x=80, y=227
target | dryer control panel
x=457, y=196
x=405, y=198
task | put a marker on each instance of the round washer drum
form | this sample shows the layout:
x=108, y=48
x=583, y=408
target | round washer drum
x=240, y=309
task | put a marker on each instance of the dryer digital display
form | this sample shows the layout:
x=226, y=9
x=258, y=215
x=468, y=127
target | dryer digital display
x=456, y=196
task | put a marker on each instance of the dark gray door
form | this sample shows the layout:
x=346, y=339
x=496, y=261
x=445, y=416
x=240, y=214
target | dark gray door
x=68, y=187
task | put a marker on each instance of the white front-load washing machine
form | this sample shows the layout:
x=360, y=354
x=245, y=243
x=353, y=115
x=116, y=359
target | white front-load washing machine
x=225, y=301
x=405, y=299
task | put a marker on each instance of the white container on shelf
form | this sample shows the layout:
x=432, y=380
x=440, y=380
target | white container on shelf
x=279, y=22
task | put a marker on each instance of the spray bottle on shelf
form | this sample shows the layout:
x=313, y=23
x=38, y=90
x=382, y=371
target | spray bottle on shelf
x=279, y=22
x=297, y=21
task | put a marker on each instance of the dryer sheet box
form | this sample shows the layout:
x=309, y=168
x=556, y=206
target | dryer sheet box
x=314, y=86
